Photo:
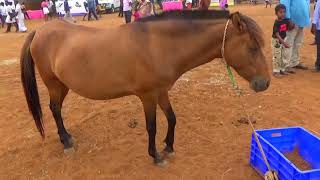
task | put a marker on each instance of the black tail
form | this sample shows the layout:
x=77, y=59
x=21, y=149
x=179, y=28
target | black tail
x=30, y=84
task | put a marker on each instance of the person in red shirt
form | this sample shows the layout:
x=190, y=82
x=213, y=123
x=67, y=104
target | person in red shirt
x=280, y=28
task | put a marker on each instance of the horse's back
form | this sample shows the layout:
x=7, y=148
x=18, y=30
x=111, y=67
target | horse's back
x=80, y=58
x=98, y=64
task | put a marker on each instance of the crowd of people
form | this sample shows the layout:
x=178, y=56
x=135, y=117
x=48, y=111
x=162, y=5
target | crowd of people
x=287, y=38
x=13, y=14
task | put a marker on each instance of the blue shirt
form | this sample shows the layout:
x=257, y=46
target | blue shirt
x=316, y=16
x=298, y=11
x=92, y=4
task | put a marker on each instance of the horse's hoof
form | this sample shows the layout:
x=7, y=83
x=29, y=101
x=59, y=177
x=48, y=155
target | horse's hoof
x=159, y=160
x=71, y=141
x=68, y=151
x=161, y=163
x=169, y=154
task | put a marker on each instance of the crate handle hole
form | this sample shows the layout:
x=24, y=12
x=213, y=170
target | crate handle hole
x=276, y=135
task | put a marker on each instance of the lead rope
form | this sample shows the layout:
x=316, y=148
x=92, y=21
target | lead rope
x=270, y=174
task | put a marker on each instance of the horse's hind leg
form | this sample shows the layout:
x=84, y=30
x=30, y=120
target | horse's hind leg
x=58, y=92
x=166, y=107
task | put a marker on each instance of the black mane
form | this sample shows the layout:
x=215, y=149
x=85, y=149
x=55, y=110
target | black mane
x=187, y=15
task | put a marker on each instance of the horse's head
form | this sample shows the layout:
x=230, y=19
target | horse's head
x=243, y=51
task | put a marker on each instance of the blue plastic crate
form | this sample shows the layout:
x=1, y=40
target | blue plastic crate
x=276, y=142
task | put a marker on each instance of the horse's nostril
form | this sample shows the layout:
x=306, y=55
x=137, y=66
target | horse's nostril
x=256, y=84
x=268, y=84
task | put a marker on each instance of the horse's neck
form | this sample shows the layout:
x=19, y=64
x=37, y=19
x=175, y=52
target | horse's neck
x=202, y=48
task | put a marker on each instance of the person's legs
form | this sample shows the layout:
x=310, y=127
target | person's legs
x=277, y=64
x=317, y=63
x=8, y=27
x=287, y=52
x=22, y=26
x=127, y=15
x=94, y=12
x=120, y=11
x=26, y=15
x=84, y=17
x=89, y=15
x=295, y=57
x=2, y=21
x=16, y=25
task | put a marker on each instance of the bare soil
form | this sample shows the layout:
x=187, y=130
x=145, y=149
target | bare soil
x=297, y=160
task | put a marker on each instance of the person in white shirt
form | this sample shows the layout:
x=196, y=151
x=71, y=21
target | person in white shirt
x=189, y=4
x=3, y=14
x=51, y=8
x=127, y=10
x=20, y=17
x=11, y=16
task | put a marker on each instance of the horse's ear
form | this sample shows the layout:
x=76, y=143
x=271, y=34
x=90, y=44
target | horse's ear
x=237, y=22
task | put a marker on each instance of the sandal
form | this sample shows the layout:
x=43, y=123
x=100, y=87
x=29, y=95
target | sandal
x=277, y=74
x=290, y=70
x=284, y=73
x=301, y=66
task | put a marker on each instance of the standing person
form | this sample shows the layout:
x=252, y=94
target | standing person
x=20, y=17
x=268, y=2
x=24, y=11
x=204, y=4
x=68, y=16
x=92, y=9
x=315, y=41
x=98, y=8
x=121, y=9
x=51, y=9
x=59, y=9
x=11, y=16
x=3, y=14
x=127, y=7
x=316, y=31
x=45, y=9
x=299, y=13
x=85, y=5
x=189, y=4
x=280, y=28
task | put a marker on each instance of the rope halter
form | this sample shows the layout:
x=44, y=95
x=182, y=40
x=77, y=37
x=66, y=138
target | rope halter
x=270, y=174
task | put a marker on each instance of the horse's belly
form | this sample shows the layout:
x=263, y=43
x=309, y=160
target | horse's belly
x=99, y=91
x=95, y=84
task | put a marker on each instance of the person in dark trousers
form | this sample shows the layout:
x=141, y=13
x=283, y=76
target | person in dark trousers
x=315, y=41
x=11, y=18
x=121, y=9
x=316, y=31
x=92, y=9
x=85, y=4
x=3, y=14
x=68, y=16
x=127, y=7
x=24, y=10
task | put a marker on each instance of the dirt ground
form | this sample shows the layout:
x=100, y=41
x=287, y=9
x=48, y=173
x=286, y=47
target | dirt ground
x=209, y=141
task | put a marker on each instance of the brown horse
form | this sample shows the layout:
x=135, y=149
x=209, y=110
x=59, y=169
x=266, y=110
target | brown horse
x=145, y=60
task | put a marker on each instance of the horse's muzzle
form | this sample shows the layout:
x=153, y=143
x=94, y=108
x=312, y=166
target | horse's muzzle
x=259, y=84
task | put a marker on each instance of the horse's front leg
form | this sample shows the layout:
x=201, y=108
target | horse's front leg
x=166, y=107
x=149, y=102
